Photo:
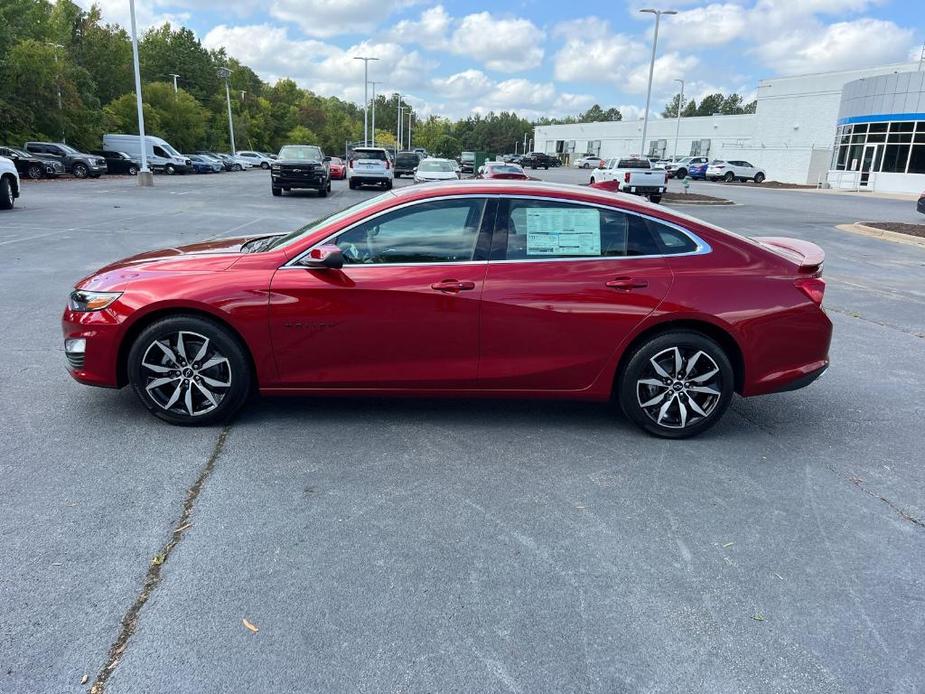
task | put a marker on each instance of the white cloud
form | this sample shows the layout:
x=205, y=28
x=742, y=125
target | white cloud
x=712, y=25
x=463, y=85
x=332, y=17
x=601, y=59
x=430, y=31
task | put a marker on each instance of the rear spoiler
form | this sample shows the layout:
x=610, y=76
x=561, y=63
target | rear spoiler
x=806, y=254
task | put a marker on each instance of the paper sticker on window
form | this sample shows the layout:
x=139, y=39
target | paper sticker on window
x=563, y=231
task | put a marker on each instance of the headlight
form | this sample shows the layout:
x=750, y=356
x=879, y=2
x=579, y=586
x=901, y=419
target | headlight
x=84, y=301
x=275, y=167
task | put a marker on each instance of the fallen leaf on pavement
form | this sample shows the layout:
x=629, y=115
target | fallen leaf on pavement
x=758, y=617
x=729, y=544
x=84, y=679
x=250, y=626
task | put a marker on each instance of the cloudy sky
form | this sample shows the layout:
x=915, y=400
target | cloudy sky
x=541, y=57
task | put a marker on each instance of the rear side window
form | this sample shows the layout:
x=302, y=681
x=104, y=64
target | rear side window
x=541, y=229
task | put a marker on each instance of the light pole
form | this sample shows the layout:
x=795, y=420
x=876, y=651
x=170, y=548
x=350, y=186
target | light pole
x=145, y=177
x=373, y=126
x=224, y=73
x=398, y=127
x=410, y=118
x=677, y=131
x=645, y=119
x=365, y=60
x=56, y=46
x=174, y=81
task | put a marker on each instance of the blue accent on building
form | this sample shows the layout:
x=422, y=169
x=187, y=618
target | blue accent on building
x=881, y=117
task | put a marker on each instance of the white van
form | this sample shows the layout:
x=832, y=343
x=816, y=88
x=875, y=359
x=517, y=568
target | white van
x=161, y=155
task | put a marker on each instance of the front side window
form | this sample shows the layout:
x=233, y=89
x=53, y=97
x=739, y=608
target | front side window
x=442, y=231
x=543, y=229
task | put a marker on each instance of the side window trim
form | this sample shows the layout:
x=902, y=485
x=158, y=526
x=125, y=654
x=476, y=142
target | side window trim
x=483, y=243
x=499, y=238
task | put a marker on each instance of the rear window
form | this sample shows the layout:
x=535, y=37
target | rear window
x=504, y=168
x=404, y=158
x=370, y=154
x=634, y=164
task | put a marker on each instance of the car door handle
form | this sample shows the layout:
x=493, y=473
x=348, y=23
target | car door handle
x=626, y=283
x=453, y=286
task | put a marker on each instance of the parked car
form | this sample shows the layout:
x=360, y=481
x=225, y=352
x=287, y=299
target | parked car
x=406, y=163
x=435, y=169
x=300, y=166
x=337, y=168
x=538, y=160
x=681, y=168
x=225, y=160
x=499, y=170
x=255, y=158
x=234, y=163
x=921, y=204
x=588, y=161
x=214, y=159
x=118, y=162
x=161, y=156
x=467, y=162
x=80, y=164
x=31, y=165
x=9, y=184
x=697, y=172
x=462, y=288
x=202, y=165
x=370, y=166
x=734, y=170
x=634, y=175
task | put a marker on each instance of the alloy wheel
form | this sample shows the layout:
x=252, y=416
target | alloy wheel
x=35, y=172
x=185, y=373
x=679, y=387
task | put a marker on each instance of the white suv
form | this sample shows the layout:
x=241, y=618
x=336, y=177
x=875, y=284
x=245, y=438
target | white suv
x=255, y=158
x=9, y=184
x=733, y=171
x=370, y=165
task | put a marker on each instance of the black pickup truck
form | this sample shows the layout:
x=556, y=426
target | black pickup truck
x=538, y=160
x=300, y=166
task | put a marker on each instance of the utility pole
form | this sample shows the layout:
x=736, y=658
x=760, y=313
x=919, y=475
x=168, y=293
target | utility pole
x=224, y=73
x=677, y=131
x=243, y=93
x=645, y=119
x=365, y=60
x=373, y=127
x=145, y=177
x=174, y=81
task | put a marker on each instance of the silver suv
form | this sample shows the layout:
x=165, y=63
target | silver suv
x=370, y=165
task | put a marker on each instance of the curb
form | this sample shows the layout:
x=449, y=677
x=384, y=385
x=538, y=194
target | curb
x=708, y=203
x=895, y=237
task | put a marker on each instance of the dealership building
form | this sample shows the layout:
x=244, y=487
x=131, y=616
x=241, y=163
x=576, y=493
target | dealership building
x=852, y=130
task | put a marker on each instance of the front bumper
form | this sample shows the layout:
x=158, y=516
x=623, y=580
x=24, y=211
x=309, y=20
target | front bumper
x=101, y=332
x=284, y=181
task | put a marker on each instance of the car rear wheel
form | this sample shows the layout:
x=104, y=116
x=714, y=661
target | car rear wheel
x=7, y=199
x=388, y=184
x=759, y=178
x=276, y=191
x=170, y=170
x=189, y=371
x=236, y=167
x=35, y=171
x=655, y=198
x=133, y=171
x=676, y=385
x=79, y=170
x=264, y=165
x=323, y=192
x=729, y=177
x=680, y=173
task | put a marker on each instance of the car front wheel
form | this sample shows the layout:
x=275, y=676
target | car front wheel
x=676, y=385
x=759, y=178
x=35, y=171
x=7, y=198
x=80, y=170
x=189, y=371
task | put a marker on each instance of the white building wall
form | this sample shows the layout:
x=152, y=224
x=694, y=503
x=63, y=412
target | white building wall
x=795, y=119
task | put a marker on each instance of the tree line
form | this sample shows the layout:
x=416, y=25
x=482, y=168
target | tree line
x=66, y=75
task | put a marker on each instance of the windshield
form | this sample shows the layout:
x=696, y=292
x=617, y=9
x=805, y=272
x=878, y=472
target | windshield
x=447, y=166
x=333, y=217
x=170, y=150
x=69, y=149
x=300, y=152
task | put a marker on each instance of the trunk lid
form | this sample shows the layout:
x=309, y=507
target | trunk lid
x=807, y=255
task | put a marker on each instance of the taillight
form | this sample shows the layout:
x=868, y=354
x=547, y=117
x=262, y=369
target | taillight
x=626, y=177
x=813, y=287
x=351, y=163
x=386, y=164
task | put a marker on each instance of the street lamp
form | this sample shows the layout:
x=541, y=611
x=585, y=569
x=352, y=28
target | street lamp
x=410, y=118
x=145, y=177
x=175, y=76
x=645, y=120
x=224, y=73
x=398, y=98
x=373, y=126
x=677, y=131
x=56, y=46
x=365, y=60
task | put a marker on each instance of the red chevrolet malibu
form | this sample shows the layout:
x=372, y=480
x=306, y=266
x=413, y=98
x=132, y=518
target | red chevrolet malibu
x=490, y=288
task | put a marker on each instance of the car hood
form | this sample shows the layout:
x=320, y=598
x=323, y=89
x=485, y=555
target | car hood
x=299, y=162
x=206, y=256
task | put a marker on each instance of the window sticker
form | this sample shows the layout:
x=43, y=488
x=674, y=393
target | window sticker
x=563, y=231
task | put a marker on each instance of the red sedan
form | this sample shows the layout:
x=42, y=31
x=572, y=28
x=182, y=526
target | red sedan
x=500, y=289
x=338, y=169
x=499, y=170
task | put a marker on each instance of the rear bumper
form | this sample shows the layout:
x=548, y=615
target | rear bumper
x=643, y=190
x=921, y=205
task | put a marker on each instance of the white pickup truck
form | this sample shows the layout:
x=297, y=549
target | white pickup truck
x=633, y=175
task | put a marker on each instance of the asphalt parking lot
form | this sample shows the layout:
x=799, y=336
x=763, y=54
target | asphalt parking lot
x=457, y=545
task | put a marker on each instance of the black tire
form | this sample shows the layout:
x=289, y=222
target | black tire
x=592, y=181
x=35, y=171
x=680, y=420
x=388, y=184
x=235, y=167
x=80, y=170
x=170, y=170
x=759, y=178
x=133, y=170
x=323, y=192
x=729, y=177
x=350, y=183
x=655, y=198
x=169, y=402
x=7, y=199
x=264, y=165
x=680, y=173
x=276, y=191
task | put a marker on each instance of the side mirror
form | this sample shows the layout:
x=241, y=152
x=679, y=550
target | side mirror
x=326, y=160
x=328, y=256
